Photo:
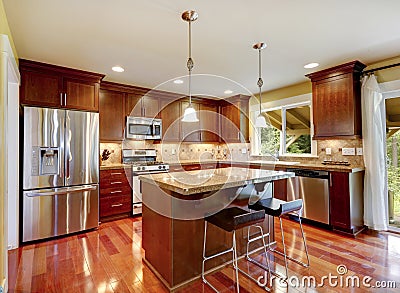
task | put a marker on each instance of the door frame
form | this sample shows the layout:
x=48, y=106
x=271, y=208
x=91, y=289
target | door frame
x=389, y=90
x=9, y=104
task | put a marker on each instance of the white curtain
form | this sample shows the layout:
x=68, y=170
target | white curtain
x=374, y=144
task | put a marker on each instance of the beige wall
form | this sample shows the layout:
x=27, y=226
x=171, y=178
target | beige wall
x=4, y=29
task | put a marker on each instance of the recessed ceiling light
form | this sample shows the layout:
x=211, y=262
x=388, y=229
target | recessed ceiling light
x=311, y=65
x=178, y=81
x=228, y=92
x=118, y=69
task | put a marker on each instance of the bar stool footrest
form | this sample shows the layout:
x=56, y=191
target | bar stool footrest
x=291, y=258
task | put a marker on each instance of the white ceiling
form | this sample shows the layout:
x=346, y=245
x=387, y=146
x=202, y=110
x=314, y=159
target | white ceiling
x=150, y=40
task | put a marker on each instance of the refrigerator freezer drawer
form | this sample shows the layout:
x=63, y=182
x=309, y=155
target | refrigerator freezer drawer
x=59, y=211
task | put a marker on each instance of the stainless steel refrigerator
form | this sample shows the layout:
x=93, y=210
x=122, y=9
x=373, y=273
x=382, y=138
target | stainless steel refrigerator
x=60, y=172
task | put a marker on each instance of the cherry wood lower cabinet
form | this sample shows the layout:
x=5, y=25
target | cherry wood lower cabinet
x=115, y=193
x=346, y=201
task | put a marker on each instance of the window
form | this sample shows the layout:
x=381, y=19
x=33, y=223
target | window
x=289, y=132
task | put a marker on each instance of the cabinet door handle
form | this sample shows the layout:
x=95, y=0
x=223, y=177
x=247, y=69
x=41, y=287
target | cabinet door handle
x=116, y=205
x=61, y=99
x=65, y=99
x=116, y=173
x=144, y=111
x=117, y=191
x=116, y=182
x=330, y=179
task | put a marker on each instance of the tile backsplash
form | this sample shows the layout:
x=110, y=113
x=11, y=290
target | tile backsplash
x=174, y=152
x=336, y=146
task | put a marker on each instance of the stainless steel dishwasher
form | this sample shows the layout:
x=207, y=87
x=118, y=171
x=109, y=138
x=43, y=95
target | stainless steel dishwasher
x=313, y=187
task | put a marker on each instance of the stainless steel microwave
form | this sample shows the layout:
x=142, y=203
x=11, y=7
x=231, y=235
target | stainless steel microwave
x=143, y=128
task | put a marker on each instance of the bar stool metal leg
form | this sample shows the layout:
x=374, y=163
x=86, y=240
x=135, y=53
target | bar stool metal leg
x=304, y=242
x=284, y=254
x=235, y=262
x=284, y=248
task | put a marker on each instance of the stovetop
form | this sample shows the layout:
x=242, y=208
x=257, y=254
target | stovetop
x=146, y=163
x=342, y=163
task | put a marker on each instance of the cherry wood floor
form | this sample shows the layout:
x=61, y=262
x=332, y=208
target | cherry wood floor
x=110, y=260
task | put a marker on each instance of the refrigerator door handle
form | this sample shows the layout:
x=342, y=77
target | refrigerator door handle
x=68, y=155
x=60, y=191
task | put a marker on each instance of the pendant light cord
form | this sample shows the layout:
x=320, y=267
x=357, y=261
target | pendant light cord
x=190, y=63
x=260, y=81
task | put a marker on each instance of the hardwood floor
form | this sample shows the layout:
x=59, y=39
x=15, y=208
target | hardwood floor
x=110, y=260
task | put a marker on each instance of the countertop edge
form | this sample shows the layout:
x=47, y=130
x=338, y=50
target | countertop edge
x=279, y=164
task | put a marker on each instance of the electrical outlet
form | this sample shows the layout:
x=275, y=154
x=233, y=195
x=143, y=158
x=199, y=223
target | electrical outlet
x=359, y=151
x=348, y=152
x=244, y=150
x=328, y=151
x=173, y=151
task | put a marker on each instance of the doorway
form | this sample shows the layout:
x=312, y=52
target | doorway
x=393, y=159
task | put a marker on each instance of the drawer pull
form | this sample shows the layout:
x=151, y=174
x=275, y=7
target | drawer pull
x=116, y=173
x=117, y=191
x=116, y=205
x=116, y=182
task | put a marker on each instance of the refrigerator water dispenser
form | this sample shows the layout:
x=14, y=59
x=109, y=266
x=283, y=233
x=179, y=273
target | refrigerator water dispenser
x=47, y=159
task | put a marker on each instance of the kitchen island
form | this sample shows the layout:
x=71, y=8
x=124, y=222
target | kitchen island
x=174, y=207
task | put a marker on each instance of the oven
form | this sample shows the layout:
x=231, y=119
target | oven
x=143, y=128
x=143, y=161
x=137, y=189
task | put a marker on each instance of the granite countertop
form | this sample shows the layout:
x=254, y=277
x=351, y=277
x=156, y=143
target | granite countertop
x=114, y=166
x=194, y=182
x=279, y=164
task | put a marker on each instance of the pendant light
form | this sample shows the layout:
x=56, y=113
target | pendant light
x=190, y=113
x=260, y=121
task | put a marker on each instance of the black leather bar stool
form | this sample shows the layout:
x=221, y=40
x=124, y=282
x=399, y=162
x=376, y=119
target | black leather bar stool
x=230, y=220
x=277, y=208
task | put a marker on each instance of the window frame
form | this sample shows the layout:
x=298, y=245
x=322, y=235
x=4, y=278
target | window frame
x=283, y=105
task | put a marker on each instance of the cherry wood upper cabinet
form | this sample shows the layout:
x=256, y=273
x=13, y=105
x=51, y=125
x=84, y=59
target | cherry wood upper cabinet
x=209, y=122
x=81, y=95
x=133, y=105
x=235, y=119
x=111, y=113
x=170, y=115
x=337, y=101
x=190, y=131
x=142, y=105
x=47, y=85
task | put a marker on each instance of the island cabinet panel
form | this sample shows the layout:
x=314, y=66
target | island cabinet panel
x=47, y=85
x=234, y=119
x=337, y=101
x=170, y=110
x=115, y=193
x=280, y=187
x=346, y=201
x=112, y=120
